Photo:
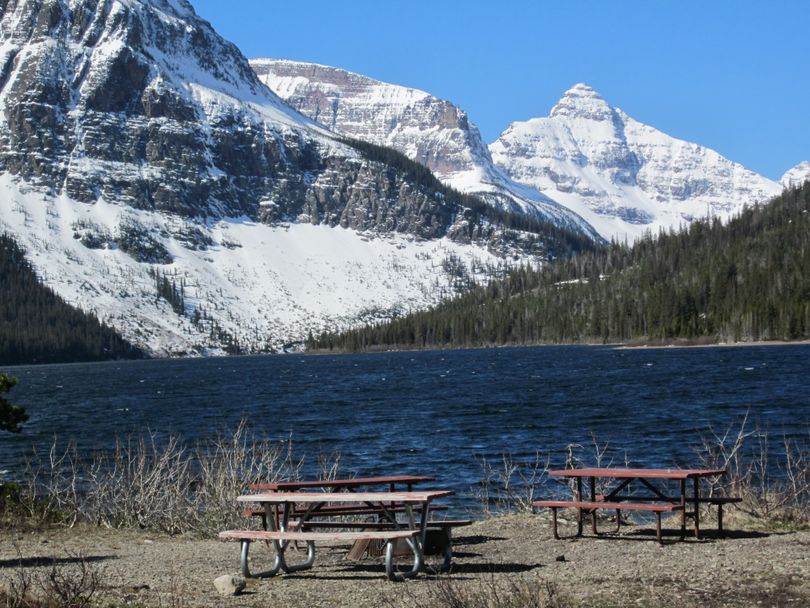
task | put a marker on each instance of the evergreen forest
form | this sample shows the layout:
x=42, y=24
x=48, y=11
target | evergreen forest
x=37, y=326
x=747, y=279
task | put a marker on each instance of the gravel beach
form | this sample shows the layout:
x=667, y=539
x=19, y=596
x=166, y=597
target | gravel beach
x=498, y=557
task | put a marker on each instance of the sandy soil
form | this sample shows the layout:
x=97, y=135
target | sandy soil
x=505, y=555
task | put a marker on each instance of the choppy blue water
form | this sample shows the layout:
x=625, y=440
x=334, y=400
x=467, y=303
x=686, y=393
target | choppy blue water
x=434, y=413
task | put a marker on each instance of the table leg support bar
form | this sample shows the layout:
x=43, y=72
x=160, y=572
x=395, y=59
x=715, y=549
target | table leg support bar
x=244, y=564
x=554, y=529
x=390, y=567
x=288, y=568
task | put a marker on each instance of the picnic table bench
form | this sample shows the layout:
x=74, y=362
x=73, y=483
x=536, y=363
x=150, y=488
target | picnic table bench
x=439, y=539
x=412, y=532
x=621, y=498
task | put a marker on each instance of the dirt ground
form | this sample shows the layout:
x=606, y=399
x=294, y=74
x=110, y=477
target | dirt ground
x=497, y=561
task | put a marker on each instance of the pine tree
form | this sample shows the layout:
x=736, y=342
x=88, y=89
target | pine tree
x=12, y=417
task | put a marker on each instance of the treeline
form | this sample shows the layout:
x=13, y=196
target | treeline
x=745, y=280
x=37, y=326
x=558, y=241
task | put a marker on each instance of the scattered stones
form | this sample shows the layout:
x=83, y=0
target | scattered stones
x=559, y=558
x=228, y=584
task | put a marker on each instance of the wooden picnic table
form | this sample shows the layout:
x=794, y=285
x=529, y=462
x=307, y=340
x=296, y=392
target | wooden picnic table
x=347, y=484
x=623, y=495
x=280, y=534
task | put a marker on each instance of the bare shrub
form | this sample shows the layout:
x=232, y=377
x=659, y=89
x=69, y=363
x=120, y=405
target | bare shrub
x=510, y=485
x=139, y=484
x=226, y=469
x=74, y=584
x=772, y=478
x=160, y=485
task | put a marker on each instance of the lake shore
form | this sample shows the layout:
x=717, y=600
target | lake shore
x=513, y=554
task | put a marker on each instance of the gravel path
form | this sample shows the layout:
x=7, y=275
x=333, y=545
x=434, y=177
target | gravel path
x=505, y=556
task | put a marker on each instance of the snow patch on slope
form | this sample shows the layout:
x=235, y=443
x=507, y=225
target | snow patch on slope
x=797, y=175
x=266, y=286
x=622, y=176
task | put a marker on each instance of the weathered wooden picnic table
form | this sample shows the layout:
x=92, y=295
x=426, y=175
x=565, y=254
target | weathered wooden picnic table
x=655, y=498
x=413, y=530
x=352, y=484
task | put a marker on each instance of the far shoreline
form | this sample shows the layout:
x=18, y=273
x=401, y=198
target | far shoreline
x=630, y=345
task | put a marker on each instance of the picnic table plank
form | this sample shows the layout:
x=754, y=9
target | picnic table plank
x=617, y=473
x=316, y=536
x=353, y=482
x=350, y=497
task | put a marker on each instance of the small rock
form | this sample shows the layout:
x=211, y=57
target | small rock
x=559, y=558
x=229, y=585
x=141, y=587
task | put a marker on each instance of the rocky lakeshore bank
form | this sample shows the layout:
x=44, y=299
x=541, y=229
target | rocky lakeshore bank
x=507, y=561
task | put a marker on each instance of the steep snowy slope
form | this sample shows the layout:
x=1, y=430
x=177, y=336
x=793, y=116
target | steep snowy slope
x=428, y=130
x=797, y=175
x=136, y=145
x=624, y=177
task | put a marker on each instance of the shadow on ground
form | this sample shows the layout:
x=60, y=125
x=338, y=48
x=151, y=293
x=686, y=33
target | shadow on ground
x=37, y=562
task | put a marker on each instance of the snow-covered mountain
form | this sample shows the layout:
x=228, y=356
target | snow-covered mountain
x=137, y=145
x=429, y=130
x=623, y=176
x=796, y=176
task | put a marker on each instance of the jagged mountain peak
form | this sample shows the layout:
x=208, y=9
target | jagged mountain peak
x=427, y=129
x=139, y=150
x=582, y=101
x=622, y=176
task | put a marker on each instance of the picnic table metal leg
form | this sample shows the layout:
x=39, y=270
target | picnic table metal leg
x=281, y=547
x=697, y=506
x=580, y=513
x=683, y=509
x=416, y=544
x=244, y=563
x=658, y=534
x=720, y=519
x=554, y=523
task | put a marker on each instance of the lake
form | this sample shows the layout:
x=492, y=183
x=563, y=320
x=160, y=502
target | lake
x=437, y=412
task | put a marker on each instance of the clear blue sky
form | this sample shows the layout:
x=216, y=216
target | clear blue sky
x=731, y=75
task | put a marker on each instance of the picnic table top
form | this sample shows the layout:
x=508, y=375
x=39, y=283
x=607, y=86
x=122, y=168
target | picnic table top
x=353, y=482
x=617, y=473
x=315, y=497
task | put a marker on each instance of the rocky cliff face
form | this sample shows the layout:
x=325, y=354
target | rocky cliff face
x=426, y=129
x=621, y=175
x=154, y=180
x=142, y=103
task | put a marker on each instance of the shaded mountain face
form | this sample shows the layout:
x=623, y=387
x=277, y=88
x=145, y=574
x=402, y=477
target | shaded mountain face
x=429, y=130
x=153, y=180
x=142, y=103
x=621, y=175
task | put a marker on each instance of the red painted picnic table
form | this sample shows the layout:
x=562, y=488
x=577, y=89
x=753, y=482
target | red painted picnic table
x=348, y=484
x=652, y=481
x=413, y=530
